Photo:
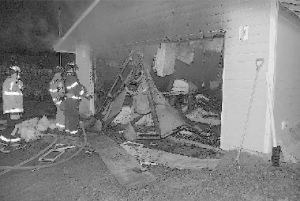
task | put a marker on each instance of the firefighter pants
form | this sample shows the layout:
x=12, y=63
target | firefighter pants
x=71, y=111
x=60, y=118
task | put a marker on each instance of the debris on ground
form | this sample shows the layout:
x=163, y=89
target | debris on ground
x=202, y=116
x=201, y=96
x=32, y=129
x=153, y=157
x=28, y=130
x=146, y=101
x=43, y=124
x=57, y=151
x=145, y=118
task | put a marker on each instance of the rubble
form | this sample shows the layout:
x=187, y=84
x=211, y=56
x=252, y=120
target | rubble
x=55, y=153
x=200, y=97
x=148, y=114
x=153, y=157
x=180, y=87
x=28, y=129
x=43, y=124
x=146, y=120
x=114, y=107
x=202, y=116
x=169, y=119
x=130, y=133
x=32, y=129
x=140, y=102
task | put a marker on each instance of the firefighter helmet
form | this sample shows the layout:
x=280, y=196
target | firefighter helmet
x=15, y=68
x=59, y=68
x=71, y=67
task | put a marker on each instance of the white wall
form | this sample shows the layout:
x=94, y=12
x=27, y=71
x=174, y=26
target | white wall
x=239, y=74
x=287, y=86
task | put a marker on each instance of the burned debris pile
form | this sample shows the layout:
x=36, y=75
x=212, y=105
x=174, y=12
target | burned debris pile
x=135, y=110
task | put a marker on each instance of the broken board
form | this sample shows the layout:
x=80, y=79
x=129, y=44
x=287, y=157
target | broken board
x=122, y=165
x=168, y=159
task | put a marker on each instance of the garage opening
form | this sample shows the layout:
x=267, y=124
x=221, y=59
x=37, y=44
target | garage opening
x=169, y=90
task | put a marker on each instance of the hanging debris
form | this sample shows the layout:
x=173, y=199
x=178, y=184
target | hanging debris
x=165, y=59
x=186, y=52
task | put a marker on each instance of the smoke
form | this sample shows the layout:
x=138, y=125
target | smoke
x=71, y=11
x=33, y=25
x=27, y=25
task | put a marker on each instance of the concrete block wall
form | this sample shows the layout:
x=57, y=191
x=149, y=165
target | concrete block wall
x=287, y=87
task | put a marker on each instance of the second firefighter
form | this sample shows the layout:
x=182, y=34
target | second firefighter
x=75, y=91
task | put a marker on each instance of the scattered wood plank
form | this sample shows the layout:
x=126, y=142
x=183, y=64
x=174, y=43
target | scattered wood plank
x=197, y=144
x=153, y=156
x=122, y=165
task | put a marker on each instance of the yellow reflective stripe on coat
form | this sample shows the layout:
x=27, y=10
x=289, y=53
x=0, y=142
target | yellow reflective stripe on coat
x=73, y=132
x=12, y=93
x=60, y=125
x=76, y=97
x=81, y=92
x=9, y=140
x=14, y=110
x=58, y=102
x=72, y=85
x=53, y=90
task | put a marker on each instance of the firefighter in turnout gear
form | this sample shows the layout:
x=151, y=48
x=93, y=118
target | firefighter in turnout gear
x=74, y=93
x=57, y=92
x=12, y=94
